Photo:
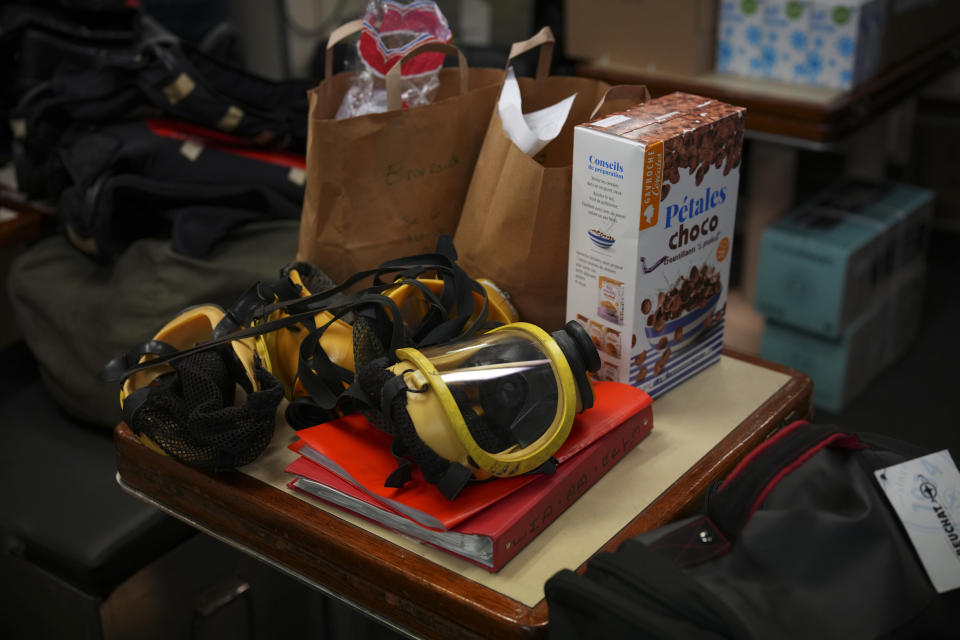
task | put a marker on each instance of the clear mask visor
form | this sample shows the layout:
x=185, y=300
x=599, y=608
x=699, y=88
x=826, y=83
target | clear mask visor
x=507, y=386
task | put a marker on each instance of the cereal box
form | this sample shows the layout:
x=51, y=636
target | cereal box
x=653, y=205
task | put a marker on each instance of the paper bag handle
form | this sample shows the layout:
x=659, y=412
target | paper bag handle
x=638, y=92
x=543, y=39
x=393, y=75
x=338, y=34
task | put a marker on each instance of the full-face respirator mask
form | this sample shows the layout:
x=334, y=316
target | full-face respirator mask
x=497, y=404
x=213, y=409
x=431, y=357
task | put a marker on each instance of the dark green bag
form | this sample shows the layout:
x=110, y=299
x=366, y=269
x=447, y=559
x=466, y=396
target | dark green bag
x=75, y=314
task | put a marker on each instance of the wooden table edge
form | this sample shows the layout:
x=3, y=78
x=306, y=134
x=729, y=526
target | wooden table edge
x=323, y=549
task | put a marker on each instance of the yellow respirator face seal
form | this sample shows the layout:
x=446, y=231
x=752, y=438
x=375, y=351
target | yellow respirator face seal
x=279, y=351
x=191, y=327
x=413, y=307
x=514, y=381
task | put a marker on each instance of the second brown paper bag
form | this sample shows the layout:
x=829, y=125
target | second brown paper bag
x=515, y=224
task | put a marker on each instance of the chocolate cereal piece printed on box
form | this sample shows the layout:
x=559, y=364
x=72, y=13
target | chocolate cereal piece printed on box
x=684, y=308
x=661, y=180
x=641, y=375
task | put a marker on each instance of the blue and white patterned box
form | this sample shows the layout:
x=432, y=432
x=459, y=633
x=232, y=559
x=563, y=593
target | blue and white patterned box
x=784, y=52
x=740, y=35
x=830, y=43
x=844, y=41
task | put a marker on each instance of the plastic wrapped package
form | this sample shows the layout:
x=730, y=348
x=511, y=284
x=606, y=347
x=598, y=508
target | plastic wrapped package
x=390, y=30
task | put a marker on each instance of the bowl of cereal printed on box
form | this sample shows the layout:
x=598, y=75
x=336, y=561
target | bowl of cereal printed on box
x=682, y=311
x=601, y=239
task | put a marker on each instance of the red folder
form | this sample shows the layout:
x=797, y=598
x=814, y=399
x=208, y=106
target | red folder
x=491, y=528
x=360, y=453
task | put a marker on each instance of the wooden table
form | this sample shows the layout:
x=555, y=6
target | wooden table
x=701, y=430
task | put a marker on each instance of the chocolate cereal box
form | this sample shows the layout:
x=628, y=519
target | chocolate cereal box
x=654, y=198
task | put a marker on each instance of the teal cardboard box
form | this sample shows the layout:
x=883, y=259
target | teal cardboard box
x=819, y=268
x=840, y=367
x=907, y=208
x=904, y=304
x=825, y=262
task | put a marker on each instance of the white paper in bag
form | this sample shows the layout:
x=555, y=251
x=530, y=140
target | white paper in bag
x=531, y=132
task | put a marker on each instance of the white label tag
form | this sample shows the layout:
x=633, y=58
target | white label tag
x=925, y=493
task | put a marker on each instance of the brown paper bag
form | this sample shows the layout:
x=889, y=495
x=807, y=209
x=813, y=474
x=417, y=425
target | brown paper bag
x=515, y=225
x=386, y=185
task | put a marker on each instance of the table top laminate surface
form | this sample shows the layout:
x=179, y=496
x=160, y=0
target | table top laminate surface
x=701, y=430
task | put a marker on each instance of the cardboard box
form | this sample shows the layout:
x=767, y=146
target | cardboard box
x=764, y=38
x=831, y=43
x=653, y=205
x=843, y=42
x=648, y=35
x=739, y=37
x=907, y=208
x=786, y=43
x=841, y=368
x=818, y=269
x=904, y=307
x=825, y=262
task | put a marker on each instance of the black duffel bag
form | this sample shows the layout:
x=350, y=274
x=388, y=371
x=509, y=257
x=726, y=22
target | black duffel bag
x=66, y=75
x=163, y=178
x=798, y=542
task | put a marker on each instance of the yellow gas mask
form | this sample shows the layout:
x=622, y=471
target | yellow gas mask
x=213, y=409
x=498, y=404
x=429, y=355
x=280, y=350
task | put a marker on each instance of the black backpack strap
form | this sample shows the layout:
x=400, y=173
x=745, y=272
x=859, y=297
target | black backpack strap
x=634, y=592
x=386, y=398
x=300, y=312
x=302, y=413
x=731, y=503
x=114, y=370
x=247, y=306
